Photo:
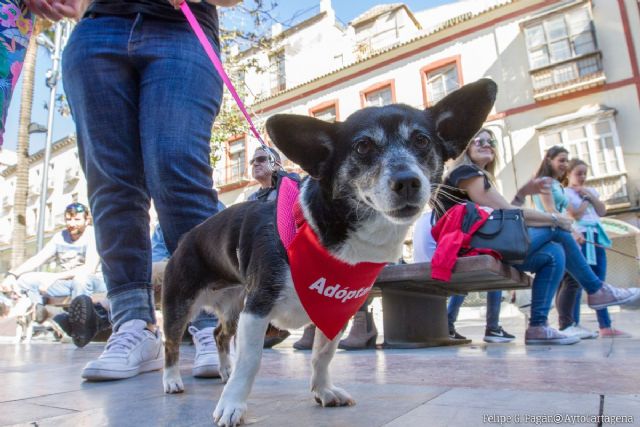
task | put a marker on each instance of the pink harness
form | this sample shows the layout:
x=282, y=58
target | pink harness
x=330, y=290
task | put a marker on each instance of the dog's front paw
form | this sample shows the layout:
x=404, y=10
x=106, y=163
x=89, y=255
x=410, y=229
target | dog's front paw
x=172, y=380
x=333, y=396
x=229, y=414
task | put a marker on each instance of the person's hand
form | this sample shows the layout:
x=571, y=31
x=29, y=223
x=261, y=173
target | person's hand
x=540, y=185
x=578, y=237
x=69, y=8
x=565, y=223
x=8, y=284
x=44, y=8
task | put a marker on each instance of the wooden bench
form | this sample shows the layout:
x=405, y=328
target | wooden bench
x=415, y=306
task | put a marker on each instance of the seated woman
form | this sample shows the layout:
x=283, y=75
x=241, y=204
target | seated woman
x=424, y=247
x=551, y=251
x=583, y=205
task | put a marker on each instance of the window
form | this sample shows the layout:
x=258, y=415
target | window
x=441, y=83
x=560, y=37
x=277, y=72
x=236, y=161
x=562, y=48
x=596, y=143
x=327, y=111
x=440, y=78
x=378, y=95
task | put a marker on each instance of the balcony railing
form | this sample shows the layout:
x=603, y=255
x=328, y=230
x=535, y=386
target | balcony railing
x=612, y=189
x=7, y=202
x=566, y=76
x=231, y=174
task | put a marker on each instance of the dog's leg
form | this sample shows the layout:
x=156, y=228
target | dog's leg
x=326, y=394
x=175, y=319
x=233, y=403
x=223, y=334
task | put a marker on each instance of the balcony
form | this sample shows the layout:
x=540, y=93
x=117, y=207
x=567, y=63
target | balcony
x=571, y=75
x=612, y=189
x=71, y=175
x=233, y=175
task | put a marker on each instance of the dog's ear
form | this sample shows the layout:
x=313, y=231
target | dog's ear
x=305, y=140
x=459, y=115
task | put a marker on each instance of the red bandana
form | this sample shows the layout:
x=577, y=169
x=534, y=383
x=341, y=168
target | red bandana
x=330, y=290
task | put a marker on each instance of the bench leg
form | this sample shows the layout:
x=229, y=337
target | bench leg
x=415, y=320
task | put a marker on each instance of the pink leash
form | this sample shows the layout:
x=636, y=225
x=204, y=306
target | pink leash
x=195, y=25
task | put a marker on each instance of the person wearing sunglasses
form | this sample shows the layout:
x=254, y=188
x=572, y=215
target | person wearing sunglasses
x=73, y=251
x=262, y=171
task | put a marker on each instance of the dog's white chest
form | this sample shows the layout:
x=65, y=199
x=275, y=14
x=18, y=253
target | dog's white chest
x=288, y=312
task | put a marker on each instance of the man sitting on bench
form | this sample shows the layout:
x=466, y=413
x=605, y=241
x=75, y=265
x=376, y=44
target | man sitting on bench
x=76, y=260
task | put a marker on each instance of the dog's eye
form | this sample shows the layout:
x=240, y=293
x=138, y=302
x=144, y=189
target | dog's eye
x=364, y=146
x=420, y=140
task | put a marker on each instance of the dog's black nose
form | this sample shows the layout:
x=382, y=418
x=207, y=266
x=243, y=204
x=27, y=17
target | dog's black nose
x=405, y=183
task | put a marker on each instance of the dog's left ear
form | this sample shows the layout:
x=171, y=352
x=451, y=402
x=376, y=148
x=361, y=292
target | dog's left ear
x=304, y=140
x=459, y=115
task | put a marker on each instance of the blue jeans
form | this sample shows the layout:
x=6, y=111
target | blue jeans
x=546, y=259
x=576, y=264
x=143, y=95
x=569, y=295
x=31, y=283
x=494, y=299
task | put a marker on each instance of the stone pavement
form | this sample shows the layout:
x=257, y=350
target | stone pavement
x=472, y=385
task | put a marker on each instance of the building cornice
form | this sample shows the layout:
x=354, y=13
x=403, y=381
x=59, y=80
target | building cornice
x=449, y=30
x=38, y=155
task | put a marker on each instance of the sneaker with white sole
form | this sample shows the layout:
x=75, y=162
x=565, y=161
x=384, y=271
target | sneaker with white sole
x=610, y=295
x=498, y=335
x=545, y=335
x=131, y=350
x=579, y=331
x=205, y=364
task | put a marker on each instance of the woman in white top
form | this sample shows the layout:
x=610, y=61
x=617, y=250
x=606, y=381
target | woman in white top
x=586, y=208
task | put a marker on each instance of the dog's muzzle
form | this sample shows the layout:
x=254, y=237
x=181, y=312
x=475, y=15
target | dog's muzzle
x=406, y=188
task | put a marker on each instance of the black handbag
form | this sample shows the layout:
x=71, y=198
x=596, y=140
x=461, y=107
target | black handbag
x=504, y=232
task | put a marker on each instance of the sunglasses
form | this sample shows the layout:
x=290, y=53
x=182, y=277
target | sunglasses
x=259, y=159
x=480, y=142
x=76, y=207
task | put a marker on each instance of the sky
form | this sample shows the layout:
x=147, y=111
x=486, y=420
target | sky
x=286, y=11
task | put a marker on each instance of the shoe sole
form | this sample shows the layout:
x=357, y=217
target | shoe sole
x=83, y=325
x=97, y=374
x=501, y=340
x=206, y=371
x=632, y=298
x=557, y=341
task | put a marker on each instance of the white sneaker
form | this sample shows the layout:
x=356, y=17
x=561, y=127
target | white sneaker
x=590, y=334
x=579, y=331
x=130, y=351
x=205, y=364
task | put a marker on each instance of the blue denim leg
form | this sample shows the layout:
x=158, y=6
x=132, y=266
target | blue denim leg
x=600, y=270
x=576, y=263
x=494, y=300
x=455, y=302
x=141, y=134
x=547, y=262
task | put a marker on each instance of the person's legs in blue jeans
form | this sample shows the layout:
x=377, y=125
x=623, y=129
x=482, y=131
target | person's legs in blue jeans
x=600, y=270
x=175, y=138
x=102, y=85
x=494, y=300
x=453, y=308
x=547, y=262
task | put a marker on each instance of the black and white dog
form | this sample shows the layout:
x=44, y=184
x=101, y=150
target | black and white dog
x=369, y=180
